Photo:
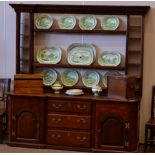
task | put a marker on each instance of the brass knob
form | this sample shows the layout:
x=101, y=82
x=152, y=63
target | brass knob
x=81, y=107
x=81, y=139
x=81, y=121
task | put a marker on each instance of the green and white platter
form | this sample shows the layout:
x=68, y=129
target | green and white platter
x=69, y=77
x=49, y=77
x=87, y=22
x=67, y=22
x=109, y=59
x=90, y=78
x=110, y=23
x=104, y=79
x=43, y=21
x=49, y=55
x=81, y=54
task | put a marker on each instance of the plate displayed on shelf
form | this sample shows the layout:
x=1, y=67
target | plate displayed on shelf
x=74, y=92
x=90, y=78
x=49, y=77
x=104, y=79
x=43, y=21
x=110, y=23
x=81, y=54
x=87, y=23
x=49, y=55
x=109, y=59
x=67, y=22
x=69, y=77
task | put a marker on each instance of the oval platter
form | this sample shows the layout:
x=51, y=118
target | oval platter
x=67, y=22
x=87, y=23
x=49, y=77
x=69, y=77
x=109, y=59
x=81, y=54
x=110, y=23
x=43, y=21
x=49, y=55
x=90, y=78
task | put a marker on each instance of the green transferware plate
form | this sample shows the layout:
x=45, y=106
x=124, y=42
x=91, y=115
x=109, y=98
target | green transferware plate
x=110, y=23
x=81, y=54
x=49, y=55
x=49, y=77
x=43, y=21
x=104, y=80
x=69, y=77
x=109, y=59
x=67, y=22
x=90, y=78
x=87, y=23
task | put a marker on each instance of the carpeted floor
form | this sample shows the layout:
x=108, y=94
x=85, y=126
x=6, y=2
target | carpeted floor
x=8, y=149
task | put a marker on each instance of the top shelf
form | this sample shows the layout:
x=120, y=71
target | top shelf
x=117, y=32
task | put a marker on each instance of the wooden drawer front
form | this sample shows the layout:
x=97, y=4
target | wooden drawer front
x=68, y=138
x=69, y=121
x=69, y=106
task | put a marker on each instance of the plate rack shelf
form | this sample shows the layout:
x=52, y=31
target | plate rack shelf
x=133, y=33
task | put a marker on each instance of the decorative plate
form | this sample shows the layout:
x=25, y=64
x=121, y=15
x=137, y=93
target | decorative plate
x=110, y=23
x=67, y=22
x=69, y=77
x=74, y=92
x=49, y=77
x=109, y=59
x=104, y=80
x=43, y=21
x=87, y=23
x=90, y=78
x=49, y=55
x=81, y=54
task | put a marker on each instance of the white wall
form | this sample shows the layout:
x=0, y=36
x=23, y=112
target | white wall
x=7, y=48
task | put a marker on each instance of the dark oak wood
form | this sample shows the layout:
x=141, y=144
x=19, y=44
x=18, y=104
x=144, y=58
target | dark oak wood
x=84, y=9
x=150, y=124
x=76, y=127
x=86, y=122
x=117, y=32
x=35, y=64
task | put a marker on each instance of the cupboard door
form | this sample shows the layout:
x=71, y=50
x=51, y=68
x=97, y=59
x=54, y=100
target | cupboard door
x=111, y=129
x=27, y=119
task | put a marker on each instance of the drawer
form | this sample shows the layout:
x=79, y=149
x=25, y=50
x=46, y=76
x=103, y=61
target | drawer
x=68, y=138
x=69, y=106
x=69, y=121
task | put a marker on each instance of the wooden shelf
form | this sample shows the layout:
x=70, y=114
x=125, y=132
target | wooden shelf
x=121, y=32
x=78, y=66
x=134, y=51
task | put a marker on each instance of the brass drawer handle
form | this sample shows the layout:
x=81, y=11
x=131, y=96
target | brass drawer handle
x=81, y=121
x=81, y=139
x=57, y=120
x=56, y=136
x=57, y=106
x=81, y=107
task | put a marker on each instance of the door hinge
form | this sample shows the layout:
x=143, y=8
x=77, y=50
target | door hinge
x=126, y=143
x=13, y=133
x=127, y=125
x=13, y=118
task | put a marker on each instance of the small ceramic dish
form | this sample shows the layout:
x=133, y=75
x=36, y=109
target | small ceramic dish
x=110, y=23
x=67, y=22
x=87, y=22
x=43, y=21
x=69, y=77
